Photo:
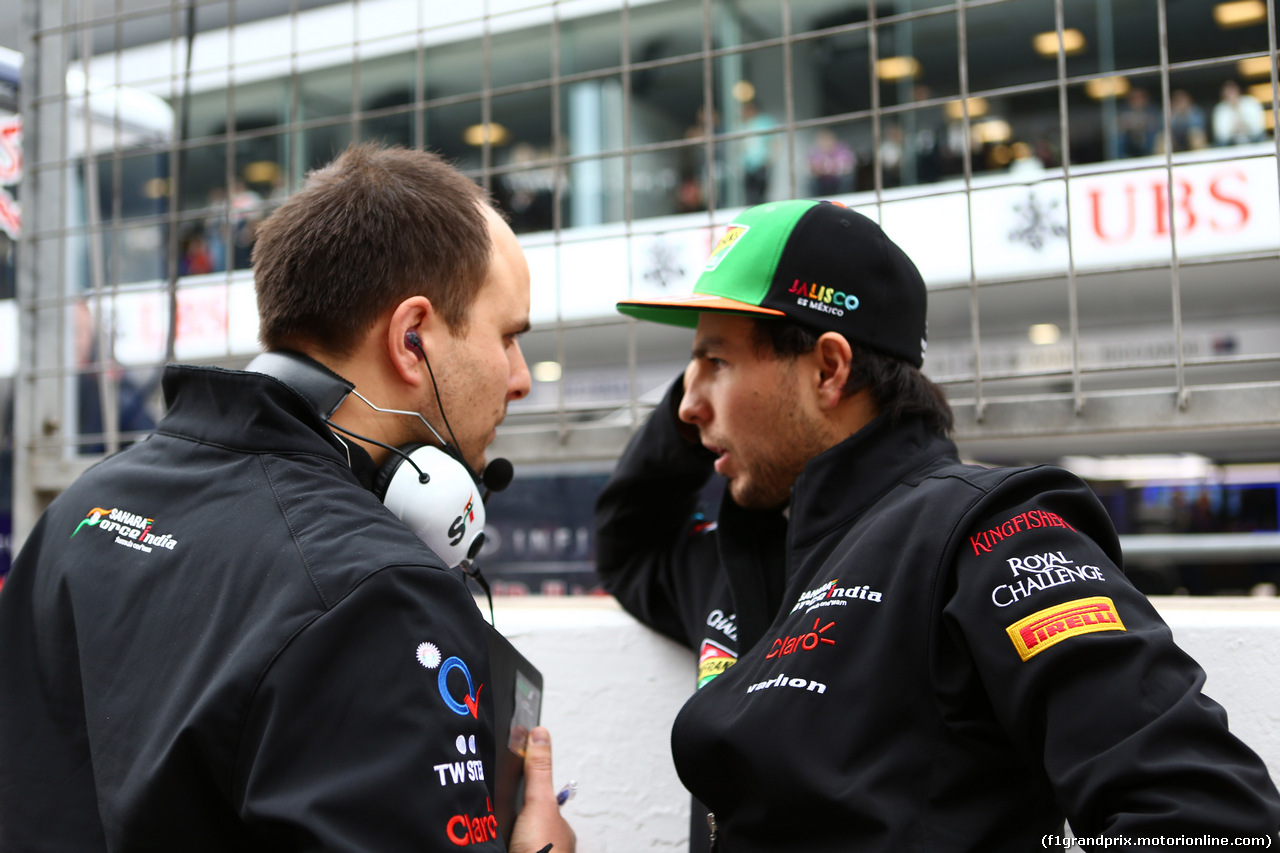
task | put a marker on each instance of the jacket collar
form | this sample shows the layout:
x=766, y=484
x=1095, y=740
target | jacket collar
x=839, y=484
x=253, y=413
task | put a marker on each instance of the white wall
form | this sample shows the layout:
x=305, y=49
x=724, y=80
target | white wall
x=613, y=688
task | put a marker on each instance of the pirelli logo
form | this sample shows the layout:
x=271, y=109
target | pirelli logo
x=1052, y=625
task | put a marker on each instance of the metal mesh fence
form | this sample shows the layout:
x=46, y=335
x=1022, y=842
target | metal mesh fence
x=1090, y=189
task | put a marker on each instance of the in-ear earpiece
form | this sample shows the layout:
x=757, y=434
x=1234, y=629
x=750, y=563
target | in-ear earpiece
x=413, y=342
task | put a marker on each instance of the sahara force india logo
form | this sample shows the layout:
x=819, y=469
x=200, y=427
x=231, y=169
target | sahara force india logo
x=132, y=531
x=832, y=593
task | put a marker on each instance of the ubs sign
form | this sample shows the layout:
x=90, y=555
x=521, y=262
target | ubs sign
x=1112, y=218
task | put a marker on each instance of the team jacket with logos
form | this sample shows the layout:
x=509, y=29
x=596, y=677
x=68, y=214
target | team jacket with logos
x=219, y=639
x=957, y=663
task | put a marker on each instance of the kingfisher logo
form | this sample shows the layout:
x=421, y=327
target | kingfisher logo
x=713, y=660
x=983, y=542
x=428, y=654
x=1052, y=625
x=825, y=299
x=730, y=239
x=459, y=527
x=132, y=531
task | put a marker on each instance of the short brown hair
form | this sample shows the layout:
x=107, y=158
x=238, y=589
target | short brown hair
x=373, y=228
x=898, y=388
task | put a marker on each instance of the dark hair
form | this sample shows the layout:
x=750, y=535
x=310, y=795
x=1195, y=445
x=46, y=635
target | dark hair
x=373, y=228
x=898, y=388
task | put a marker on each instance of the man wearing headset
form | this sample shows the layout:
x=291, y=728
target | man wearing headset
x=895, y=651
x=220, y=638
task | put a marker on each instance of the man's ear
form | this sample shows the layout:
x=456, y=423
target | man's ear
x=413, y=326
x=834, y=359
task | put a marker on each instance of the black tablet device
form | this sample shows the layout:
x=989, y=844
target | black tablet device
x=517, y=705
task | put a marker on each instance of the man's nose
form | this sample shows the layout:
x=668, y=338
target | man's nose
x=519, y=382
x=693, y=407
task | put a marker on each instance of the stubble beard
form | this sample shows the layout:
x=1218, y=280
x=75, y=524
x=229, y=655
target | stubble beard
x=766, y=481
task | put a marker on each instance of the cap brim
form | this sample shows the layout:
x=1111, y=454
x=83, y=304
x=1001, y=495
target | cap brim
x=684, y=311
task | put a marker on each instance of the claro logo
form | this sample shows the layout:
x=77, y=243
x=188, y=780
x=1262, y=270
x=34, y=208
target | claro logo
x=465, y=830
x=805, y=642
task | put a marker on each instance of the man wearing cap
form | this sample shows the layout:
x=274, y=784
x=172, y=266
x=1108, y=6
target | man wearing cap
x=896, y=651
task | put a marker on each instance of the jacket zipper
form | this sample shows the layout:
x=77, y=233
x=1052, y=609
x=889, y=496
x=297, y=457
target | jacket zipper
x=711, y=823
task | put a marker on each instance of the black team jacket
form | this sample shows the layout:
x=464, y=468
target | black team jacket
x=946, y=658
x=219, y=639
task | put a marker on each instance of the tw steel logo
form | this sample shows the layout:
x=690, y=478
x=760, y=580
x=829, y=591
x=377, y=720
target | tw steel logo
x=805, y=642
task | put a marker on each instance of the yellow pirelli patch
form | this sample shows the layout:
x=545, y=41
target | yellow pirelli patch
x=1052, y=625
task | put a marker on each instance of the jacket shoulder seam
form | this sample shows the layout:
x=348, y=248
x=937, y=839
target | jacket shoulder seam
x=236, y=788
x=293, y=534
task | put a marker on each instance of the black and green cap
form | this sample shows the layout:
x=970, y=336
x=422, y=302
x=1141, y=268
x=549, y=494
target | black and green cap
x=815, y=263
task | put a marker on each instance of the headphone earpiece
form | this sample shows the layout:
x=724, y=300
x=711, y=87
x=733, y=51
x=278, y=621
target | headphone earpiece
x=413, y=342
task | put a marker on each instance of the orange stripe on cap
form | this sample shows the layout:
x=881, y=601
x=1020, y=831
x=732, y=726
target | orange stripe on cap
x=700, y=302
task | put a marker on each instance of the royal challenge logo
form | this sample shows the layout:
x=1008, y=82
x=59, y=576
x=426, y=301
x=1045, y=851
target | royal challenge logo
x=131, y=530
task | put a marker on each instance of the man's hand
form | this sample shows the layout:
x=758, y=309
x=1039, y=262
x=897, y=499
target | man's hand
x=540, y=822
